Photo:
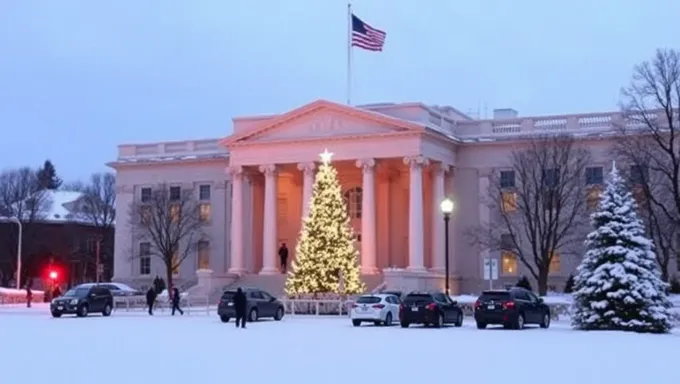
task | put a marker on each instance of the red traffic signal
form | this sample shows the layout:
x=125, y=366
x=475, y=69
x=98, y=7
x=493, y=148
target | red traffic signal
x=53, y=275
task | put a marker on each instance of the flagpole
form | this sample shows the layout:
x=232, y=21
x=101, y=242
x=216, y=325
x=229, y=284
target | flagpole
x=349, y=53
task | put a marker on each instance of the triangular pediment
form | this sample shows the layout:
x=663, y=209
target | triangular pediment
x=323, y=119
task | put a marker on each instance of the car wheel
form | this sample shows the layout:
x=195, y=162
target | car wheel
x=107, y=310
x=252, y=317
x=404, y=324
x=545, y=323
x=459, y=319
x=388, y=319
x=82, y=311
x=481, y=325
x=519, y=324
x=56, y=314
x=225, y=319
x=356, y=323
x=279, y=314
x=440, y=321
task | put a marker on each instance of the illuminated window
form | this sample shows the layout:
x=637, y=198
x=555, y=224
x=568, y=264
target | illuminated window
x=204, y=212
x=593, y=197
x=509, y=201
x=175, y=263
x=554, y=263
x=508, y=263
x=203, y=254
x=174, y=212
x=353, y=198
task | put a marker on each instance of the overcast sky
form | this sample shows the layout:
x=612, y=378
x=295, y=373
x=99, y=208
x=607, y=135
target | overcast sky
x=78, y=77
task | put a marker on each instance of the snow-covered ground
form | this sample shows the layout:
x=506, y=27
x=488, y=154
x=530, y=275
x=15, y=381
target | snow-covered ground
x=131, y=348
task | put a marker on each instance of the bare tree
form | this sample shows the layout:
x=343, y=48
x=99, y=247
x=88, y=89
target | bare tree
x=169, y=222
x=650, y=143
x=20, y=197
x=96, y=208
x=538, y=206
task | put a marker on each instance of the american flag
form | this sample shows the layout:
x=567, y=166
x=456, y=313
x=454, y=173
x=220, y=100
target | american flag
x=366, y=37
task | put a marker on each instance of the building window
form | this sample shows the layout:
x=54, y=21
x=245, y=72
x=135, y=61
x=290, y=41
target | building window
x=551, y=199
x=175, y=263
x=145, y=195
x=145, y=215
x=594, y=175
x=509, y=201
x=204, y=212
x=204, y=192
x=507, y=179
x=353, y=200
x=637, y=175
x=554, y=267
x=203, y=254
x=175, y=193
x=551, y=177
x=144, y=258
x=593, y=197
x=508, y=263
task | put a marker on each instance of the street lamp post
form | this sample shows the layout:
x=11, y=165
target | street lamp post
x=447, y=208
x=18, y=222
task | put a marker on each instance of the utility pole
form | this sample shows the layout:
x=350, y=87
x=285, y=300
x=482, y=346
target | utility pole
x=97, y=263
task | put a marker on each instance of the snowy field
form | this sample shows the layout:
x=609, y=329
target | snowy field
x=130, y=348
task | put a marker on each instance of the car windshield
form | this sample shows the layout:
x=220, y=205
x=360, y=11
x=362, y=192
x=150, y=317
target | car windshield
x=495, y=296
x=368, y=300
x=417, y=299
x=228, y=295
x=77, y=292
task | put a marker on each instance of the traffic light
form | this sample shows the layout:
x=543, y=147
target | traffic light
x=53, y=275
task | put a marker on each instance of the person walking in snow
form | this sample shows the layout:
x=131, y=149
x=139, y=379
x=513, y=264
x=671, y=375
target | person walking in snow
x=240, y=305
x=150, y=299
x=29, y=295
x=175, y=302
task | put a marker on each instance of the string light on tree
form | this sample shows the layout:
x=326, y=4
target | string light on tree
x=326, y=260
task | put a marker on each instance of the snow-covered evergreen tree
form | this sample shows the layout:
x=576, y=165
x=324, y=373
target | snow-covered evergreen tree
x=618, y=285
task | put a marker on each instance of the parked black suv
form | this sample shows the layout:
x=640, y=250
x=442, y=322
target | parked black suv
x=513, y=308
x=429, y=308
x=260, y=305
x=82, y=300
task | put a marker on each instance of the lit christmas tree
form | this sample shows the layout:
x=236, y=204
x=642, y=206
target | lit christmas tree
x=326, y=260
x=618, y=285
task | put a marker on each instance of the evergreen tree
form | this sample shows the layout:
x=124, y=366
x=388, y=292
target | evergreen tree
x=326, y=260
x=618, y=284
x=47, y=176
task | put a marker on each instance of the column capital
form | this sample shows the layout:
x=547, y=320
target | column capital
x=416, y=161
x=234, y=170
x=367, y=165
x=268, y=169
x=307, y=168
x=440, y=168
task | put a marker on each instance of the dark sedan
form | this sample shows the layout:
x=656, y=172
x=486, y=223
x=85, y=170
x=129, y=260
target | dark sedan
x=260, y=305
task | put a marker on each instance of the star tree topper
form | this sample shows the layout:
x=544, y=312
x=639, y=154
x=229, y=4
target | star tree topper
x=326, y=156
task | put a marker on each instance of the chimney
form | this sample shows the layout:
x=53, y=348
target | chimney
x=504, y=113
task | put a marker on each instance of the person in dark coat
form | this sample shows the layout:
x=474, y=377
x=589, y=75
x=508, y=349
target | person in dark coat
x=29, y=295
x=175, y=302
x=150, y=299
x=283, y=256
x=240, y=305
x=56, y=292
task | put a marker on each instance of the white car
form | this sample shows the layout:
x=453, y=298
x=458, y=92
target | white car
x=379, y=309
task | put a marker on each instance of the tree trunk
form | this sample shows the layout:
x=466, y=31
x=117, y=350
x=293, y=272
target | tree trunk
x=542, y=281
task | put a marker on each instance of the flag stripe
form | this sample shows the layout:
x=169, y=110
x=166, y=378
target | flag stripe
x=366, y=37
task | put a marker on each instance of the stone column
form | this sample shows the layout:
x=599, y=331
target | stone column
x=368, y=238
x=415, y=218
x=237, y=264
x=307, y=186
x=269, y=235
x=438, y=195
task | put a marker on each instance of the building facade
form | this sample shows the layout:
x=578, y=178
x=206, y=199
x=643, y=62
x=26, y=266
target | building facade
x=396, y=163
